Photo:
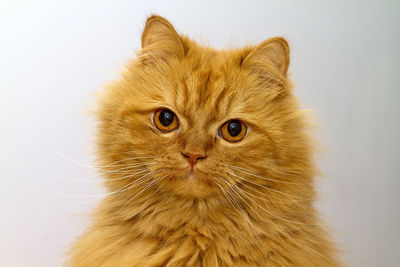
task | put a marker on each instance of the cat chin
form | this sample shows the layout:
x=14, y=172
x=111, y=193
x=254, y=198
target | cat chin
x=191, y=184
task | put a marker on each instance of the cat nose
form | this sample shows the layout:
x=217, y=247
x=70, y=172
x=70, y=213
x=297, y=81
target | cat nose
x=193, y=158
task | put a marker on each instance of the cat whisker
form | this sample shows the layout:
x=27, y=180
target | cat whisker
x=125, y=165
x=238, y=194
x=270, y=198
x=263, y=186
x=88, y=179
x=141, y=191
x=131, y=174
x=242, y=192
x=246, y=194
x=69, y=159
x=242, y=170
x=238, y=207
x=101, y=196
x=82, y=203
x=129, y=170
x=75, y=180
x=229, y=199
x=126, y=187
x=231, y=186
x=89, y=166
x=115, y=163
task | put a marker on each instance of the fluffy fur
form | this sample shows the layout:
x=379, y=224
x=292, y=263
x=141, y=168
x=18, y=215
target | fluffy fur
x=248, y=203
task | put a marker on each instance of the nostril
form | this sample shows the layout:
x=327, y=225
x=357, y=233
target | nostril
x=202, y=157
x=193, y=158
x=193, y=155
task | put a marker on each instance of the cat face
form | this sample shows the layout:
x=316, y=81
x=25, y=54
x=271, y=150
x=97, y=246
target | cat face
x=192, y=120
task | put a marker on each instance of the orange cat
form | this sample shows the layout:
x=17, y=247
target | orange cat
x=208, y=161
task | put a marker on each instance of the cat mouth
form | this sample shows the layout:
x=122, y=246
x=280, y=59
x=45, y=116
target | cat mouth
x=191, y=175
x=187, y=182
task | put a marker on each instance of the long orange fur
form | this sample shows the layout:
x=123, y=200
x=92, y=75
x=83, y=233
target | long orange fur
x=249, y=203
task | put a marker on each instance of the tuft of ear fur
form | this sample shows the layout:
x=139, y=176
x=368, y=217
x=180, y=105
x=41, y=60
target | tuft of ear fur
x=160, y=40
x=272, y=55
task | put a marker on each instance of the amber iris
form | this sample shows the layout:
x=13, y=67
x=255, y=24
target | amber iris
x=165, y=120
x=233, y=130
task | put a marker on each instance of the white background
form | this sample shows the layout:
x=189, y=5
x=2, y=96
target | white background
x=55, y=54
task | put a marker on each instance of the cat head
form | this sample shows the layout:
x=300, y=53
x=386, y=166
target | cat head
x=192, y=120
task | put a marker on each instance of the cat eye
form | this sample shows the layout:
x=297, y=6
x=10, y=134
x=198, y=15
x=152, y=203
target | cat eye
x=165, y=120
x=233, y=130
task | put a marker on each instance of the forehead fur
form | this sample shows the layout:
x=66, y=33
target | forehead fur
x=206, y=83
x=200, y=83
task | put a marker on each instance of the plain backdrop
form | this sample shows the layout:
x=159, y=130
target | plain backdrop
x=54, y=56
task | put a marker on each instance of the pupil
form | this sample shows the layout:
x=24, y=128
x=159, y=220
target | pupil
x=166, y=117
x=234, y=128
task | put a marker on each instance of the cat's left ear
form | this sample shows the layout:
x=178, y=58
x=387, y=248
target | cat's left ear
x=271, y=55
x=160, y=40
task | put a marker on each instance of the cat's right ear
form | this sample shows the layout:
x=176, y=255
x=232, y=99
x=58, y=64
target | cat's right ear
x=270, y=59
x=160, y=40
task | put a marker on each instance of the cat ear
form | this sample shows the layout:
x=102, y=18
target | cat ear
x=159, y=38
x=271, y=55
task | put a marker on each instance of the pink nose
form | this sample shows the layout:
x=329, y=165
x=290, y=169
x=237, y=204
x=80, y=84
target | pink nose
x=193, y=158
